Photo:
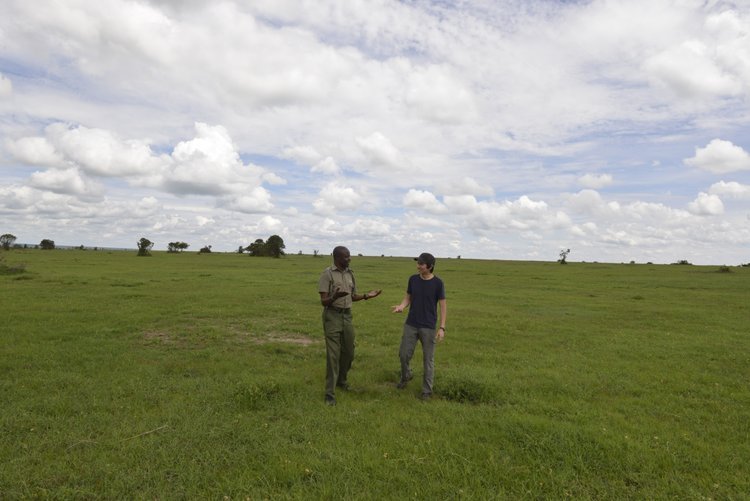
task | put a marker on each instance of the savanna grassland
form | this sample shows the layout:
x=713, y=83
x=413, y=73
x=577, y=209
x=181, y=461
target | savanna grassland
x=201, y=377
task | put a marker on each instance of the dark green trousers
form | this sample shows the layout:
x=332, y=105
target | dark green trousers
x=339, y=332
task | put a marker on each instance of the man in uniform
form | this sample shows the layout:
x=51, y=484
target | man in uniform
x=338, y=290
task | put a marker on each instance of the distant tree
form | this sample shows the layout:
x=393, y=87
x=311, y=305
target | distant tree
x=47, y=244
x=144, y=247
x=275, y=246
x=257, y=248
x=7, y=240
x=205, y=250
x=315, y=253
x=564, y=256
x=177, y=246
x=240, y=250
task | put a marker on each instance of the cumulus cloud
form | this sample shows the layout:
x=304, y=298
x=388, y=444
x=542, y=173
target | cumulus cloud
x=720, y=157
x=326, y=166
x=208, y=164
x=731, y=189
x=336, y=197
x=425, y=200
x=706, y=205
x=257, y=200
x=379, y=150
x=595, y=181
x=35, y=151
x=66, y=181
x=95, y=151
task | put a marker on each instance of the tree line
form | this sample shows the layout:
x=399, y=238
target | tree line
x=273, y=247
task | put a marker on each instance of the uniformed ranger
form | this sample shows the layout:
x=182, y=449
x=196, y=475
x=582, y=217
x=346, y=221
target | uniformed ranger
x=338, y=290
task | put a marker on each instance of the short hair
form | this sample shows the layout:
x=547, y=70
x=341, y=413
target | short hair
x=338, y=250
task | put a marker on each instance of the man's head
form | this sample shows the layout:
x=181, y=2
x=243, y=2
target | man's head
x=341, y=257
x=427, y=259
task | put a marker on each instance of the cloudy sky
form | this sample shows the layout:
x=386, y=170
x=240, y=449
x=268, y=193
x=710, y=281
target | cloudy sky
x=503, y=129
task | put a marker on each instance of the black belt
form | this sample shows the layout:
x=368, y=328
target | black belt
x=339, y=310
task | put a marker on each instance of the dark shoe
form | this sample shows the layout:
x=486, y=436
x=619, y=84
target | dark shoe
x=425, y=396
x=344, y=386
x=330, y=401
x=402, y=384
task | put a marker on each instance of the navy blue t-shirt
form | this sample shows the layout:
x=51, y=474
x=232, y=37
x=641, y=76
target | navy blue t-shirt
x=424, y=297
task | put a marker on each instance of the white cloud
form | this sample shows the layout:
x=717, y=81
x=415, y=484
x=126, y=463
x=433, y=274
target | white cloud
x=306, y=155
x=67, y=181
x=595, y=181
x=326, y=166
x=706, y=205
x=465, y=186
x=6, y=86
x=425, y=200
x=380, y=150
x=336, y=197
x=587, y=202
x=437, y=95
x=35, y=151
x=100, y=152
x=691, y=71
x=731, y=189
x=257, y=200
x=720, y=157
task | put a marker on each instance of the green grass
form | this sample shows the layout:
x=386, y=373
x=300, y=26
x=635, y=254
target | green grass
x=201, y=376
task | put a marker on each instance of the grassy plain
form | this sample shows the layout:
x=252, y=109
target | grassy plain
x=201, y=377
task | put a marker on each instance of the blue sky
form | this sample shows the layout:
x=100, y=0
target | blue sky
x=501, y=130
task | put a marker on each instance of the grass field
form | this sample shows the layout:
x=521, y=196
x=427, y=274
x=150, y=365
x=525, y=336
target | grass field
x=201, y=377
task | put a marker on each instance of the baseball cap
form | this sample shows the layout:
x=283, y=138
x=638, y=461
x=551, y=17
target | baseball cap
x=426, y=258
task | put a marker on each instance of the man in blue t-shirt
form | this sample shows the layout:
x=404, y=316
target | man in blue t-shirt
x=424, y=293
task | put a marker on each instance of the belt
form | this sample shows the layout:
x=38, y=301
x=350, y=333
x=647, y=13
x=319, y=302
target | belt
x=339, y=310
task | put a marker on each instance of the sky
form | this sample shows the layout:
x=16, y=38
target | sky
x=487, y=129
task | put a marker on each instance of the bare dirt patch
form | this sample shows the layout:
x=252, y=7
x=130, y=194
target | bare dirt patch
x=281, y=337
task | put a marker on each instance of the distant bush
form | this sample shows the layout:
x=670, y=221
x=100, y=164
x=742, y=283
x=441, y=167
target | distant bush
x=724, y=269
x=205, y=250
x=684, y=262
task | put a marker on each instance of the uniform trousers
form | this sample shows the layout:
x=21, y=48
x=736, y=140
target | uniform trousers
x=339, y=332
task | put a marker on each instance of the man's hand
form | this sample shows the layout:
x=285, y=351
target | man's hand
x=397, y=309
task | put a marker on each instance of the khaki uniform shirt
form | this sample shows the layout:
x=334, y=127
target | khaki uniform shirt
x=332, y=278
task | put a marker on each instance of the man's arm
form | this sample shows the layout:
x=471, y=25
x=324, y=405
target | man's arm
x=369, y=295
x=443, y=317
x=403, y=305
x=327, y=300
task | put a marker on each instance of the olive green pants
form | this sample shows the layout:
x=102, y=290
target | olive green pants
x=339, y=332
